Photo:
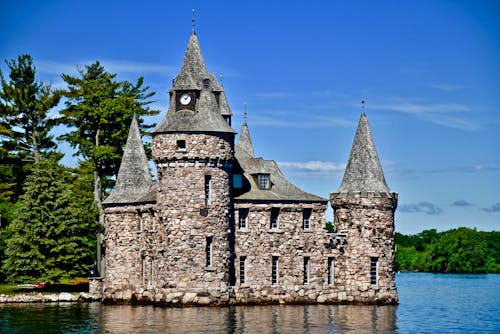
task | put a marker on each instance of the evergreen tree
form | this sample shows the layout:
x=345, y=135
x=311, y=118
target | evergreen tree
x=51, y=237
x=99, y=110
x=25, y=121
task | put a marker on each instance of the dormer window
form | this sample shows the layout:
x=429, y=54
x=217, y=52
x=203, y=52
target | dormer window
x=206, y=83
x=264, y=181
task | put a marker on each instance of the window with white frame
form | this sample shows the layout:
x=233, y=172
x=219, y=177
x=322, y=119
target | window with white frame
x=208, y=251
x=274, y=270
x=306, y=216
x=264, y=181
x=331, y=271
x=243, y=260
x=242, y=218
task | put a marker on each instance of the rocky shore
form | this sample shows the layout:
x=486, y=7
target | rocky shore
x=48, y=298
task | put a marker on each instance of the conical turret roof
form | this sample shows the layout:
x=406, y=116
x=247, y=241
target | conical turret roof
x=207, y=116
x=363, y=172
x=245, y=141
x=193, y=69
x=134, y=176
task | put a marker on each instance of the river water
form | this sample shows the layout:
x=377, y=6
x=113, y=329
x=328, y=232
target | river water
x=429, y=303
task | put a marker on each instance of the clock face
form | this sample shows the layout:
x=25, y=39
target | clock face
x=185, y=99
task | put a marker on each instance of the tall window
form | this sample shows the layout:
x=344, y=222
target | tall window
x=208, y=185
x=306, y=270
x=208, y=251
x=306, y=215
x=374, y=270
x=274, y=270
x=243, y=259
x=264, y=181
x=243, y=218
x=275, y=215
x=331, y=268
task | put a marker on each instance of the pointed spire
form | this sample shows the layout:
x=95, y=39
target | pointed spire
x=193, y=69
x=245, y=141
x=134, y=176
x=363, y=172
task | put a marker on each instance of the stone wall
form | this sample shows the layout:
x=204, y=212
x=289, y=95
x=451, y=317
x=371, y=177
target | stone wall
x=367, y=219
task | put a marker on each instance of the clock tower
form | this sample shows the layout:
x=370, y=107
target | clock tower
x=193, y=149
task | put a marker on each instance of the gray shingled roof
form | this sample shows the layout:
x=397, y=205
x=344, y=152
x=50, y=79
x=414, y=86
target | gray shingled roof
x=245, y=141
x=363, y=172
x=224, y=108
x=281, y=188
x=134, y=176
x=208, y=114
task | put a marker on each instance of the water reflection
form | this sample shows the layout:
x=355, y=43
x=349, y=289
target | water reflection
x=256, y=319
x=96, y=318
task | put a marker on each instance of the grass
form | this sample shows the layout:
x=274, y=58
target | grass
x=75, y=287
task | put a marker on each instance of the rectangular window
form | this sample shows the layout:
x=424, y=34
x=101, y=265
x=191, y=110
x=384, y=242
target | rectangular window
x=242, y=269
x=374, y=270
x=275, y=215
x=264, y=181
x=208, y=186
x=181, y=144
x=274, y=270
x=243, y=218
x=306, y=270
x=331, y=268
x=306, y=215
x=208, y=251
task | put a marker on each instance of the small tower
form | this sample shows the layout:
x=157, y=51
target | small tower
x=127, y=209
x=364, y=210
x=193, y=148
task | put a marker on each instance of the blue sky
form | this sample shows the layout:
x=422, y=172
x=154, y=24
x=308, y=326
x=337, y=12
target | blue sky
x=428, y=70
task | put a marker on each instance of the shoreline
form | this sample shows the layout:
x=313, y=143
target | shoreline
x=48, y=298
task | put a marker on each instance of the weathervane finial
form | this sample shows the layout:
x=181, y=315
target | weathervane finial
x=245, y=112
x=192, y=19
x=363, y=105
x=220, y=79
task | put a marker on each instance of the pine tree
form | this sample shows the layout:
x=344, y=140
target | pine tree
x=52, y=236
x=99, y=109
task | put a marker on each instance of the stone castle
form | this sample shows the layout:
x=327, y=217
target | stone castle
x=221, y=226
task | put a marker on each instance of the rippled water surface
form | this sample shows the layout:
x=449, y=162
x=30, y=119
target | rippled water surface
x=429, y=303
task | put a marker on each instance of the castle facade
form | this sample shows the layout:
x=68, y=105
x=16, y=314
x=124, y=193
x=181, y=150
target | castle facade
x=221, y=226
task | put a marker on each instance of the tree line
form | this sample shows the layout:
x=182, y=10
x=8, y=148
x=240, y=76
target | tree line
x=461, y=250
x=50, y=214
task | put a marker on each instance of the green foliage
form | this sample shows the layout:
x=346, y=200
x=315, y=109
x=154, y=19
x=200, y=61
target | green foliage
x=25, y=103
x=99, y=110
x=329, y=227
x=51, y=237
x=461, y=250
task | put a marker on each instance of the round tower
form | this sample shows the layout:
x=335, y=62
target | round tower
x=364, y=212
x=193, y=149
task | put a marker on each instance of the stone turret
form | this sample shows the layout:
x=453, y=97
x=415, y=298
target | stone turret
x=193, y=148
x=129, y=212
x=364, y=211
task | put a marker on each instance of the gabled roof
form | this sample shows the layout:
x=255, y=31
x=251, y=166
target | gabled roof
x=281, y=189
x=134, y=176
x=363, y=172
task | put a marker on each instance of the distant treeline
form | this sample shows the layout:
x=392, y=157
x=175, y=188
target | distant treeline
x=461, y=250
